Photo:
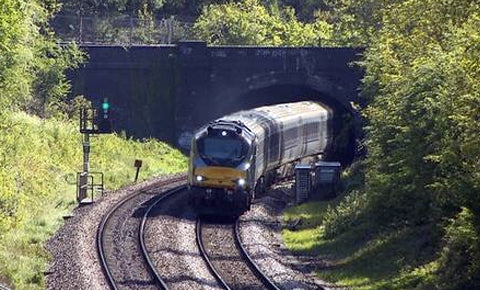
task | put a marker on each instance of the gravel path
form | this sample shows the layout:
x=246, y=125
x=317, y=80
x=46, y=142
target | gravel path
x=75, y=263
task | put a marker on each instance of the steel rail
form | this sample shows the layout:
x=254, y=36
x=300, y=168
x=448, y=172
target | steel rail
x=205, y=257
x=141, y=234
x=105, y=220
x=269, y=284
x=100, y=241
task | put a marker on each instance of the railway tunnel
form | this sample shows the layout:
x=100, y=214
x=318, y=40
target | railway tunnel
x=345, y=121
x=168, y=91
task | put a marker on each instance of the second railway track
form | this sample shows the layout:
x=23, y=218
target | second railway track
x=222, y=249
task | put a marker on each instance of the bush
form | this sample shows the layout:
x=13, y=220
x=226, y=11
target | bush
x=346, y=215
x=459, y=262
x=345, y=212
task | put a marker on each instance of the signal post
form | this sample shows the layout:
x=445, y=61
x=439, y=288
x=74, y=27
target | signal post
x=92, y=123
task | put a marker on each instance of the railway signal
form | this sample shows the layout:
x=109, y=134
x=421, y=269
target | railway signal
x=96, y=120
x=93, y=121
x=104, y=125
x=105, y=106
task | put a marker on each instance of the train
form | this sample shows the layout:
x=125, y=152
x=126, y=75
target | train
x=236, y=157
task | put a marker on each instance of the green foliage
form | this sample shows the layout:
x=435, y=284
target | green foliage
x=344, y=216
x=459, y=262
x=145, y=31
x=356, y=23
x=32, y=64
x=16, y=34
x=39, y=159
x=423, y=138
x=359, y=258
x=423, y=141
x=51, y=86
x=250, y=23
x=305, y=8
x=182, y=8
x=348, y=210
x=276, y=19
x=112, y=6
x=37, y=155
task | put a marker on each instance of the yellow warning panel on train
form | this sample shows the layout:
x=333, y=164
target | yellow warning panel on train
x=217, y=176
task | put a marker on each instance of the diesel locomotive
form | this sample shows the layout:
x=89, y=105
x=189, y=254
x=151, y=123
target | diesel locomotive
x=236, y=157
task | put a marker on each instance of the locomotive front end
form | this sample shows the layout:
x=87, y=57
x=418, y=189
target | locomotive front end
x=220, y=176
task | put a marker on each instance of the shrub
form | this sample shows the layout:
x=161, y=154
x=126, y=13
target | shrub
x=345, y=215
x=459, y=262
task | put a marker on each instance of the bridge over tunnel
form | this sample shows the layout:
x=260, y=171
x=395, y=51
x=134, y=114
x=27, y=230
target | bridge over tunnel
x=167, y=92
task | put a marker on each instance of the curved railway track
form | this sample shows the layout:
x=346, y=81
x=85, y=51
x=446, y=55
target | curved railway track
x=125, y=214
x=146, y=255
x=222, y=259
x=126, y=262
x=253, y=266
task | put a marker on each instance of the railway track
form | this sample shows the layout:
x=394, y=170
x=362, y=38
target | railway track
x=170, y=262
x=152, y=267
x=123, y=255
x=221, y=247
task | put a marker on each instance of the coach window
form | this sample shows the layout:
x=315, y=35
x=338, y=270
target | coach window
x=313, y=131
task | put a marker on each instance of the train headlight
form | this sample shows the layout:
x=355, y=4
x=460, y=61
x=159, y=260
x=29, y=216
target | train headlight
x=241, y=182
x=199, y=178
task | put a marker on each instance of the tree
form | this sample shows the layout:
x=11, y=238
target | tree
x=356, y=23
x=96, y=7
x=422, y=76
x=32, y=64
x=250, y=23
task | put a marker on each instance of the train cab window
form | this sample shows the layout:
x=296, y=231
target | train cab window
x=222, y=150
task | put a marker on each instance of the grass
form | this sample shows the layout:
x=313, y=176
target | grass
x=38, y=161
x=359, y=258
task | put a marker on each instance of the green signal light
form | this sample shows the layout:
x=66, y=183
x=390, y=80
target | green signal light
x=105, y=105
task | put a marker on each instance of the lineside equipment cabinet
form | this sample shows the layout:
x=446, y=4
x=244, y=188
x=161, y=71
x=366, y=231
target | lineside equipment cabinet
x=302, y=182
x=326, y=179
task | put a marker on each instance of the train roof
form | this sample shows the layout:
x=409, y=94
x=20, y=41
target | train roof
x=279, y=112
x=288, y=109
x=252, y=121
